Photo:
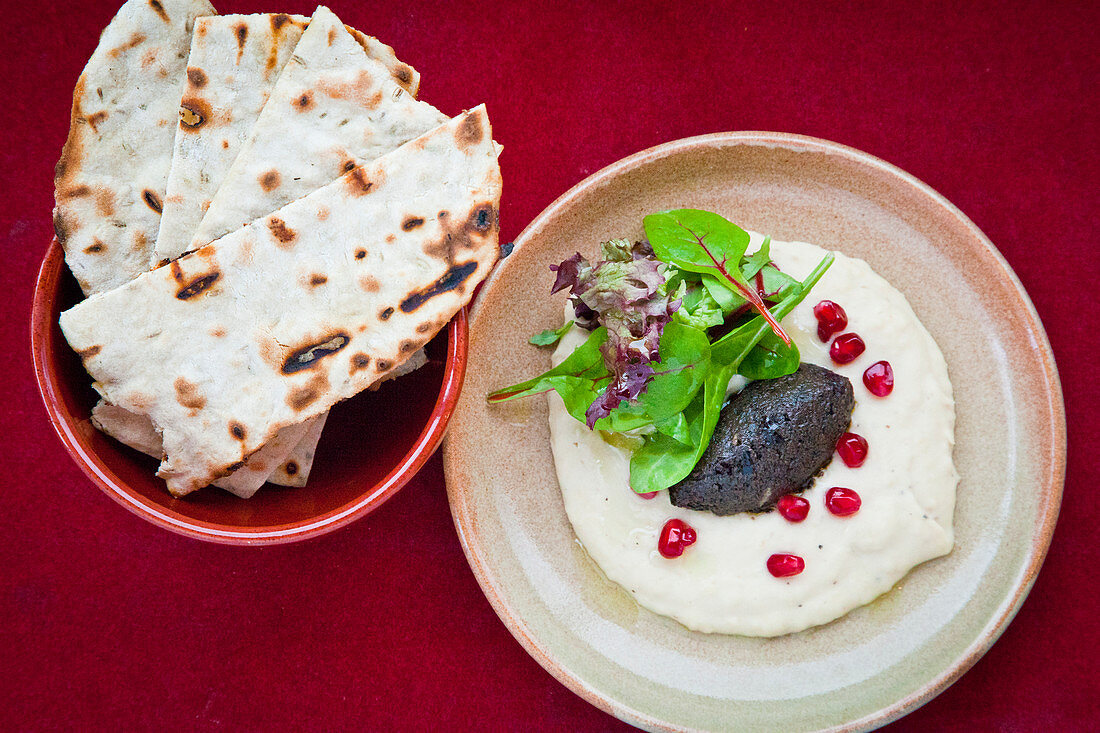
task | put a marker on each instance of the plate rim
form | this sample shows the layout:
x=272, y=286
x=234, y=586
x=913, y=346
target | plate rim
x=1051, y=481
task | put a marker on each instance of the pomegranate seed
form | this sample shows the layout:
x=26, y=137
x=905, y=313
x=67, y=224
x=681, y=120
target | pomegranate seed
x=879, y=378
x=846, y=348
x=830, y=319
x=646, y=495
x=842, y=502
x=852, y=449
x=676, y=536
x=793, y=508
x=783, y=565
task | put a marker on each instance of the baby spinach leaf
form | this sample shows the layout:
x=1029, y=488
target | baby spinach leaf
x=550, y=336
x=586, y=362
x=704, y=242
x=770, y=358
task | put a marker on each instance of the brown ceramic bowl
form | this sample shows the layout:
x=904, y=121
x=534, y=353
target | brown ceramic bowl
x=371, y=446
x=877, y=662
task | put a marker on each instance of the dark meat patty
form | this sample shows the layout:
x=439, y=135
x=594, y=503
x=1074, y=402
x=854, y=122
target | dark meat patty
x=771, y=438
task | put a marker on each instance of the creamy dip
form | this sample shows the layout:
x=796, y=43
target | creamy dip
x=907, y=484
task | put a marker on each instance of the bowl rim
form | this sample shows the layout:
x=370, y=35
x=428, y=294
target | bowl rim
x=1050, y=483
x=44, y=313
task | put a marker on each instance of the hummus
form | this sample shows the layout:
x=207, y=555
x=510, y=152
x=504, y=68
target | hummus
x=907, y=484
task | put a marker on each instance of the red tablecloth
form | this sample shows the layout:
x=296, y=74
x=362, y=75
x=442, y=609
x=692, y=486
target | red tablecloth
x=110, y=622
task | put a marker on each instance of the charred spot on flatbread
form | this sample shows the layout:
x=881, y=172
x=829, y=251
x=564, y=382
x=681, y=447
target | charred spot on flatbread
x=317, y=279
x=311, y=354
x=304, y=102
x=322, y=213
x=348, y=165
x=360, y=253
x=96, y=247
x=188, y=395
x=278, y=20
x=280, y=230
x=152, y=200
x=403, y=74
x=159, y=10
x=451, y=280
x=290, y=467
x=135, y=40
x=424, y=327
x=483, y=219
x=237, y=430
x=196, y=77
x=93, y=120
x=270, y=180
x=412, y=222
x=359, y=361
x=302, y=397
x=469, y=132
x=60, y=227
x=369, y=283
x=408, y=346
x=383, y=365
x=385, y=314
x=141, y=242
x=104, y=201
x=241, y=31
x=194, y=113
x=198, y=285
x=357, y=183
x=89, y=352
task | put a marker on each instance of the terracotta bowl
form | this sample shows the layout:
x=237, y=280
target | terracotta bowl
x=371, y=446
x=877, y=662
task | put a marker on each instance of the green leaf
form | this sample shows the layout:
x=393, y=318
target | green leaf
x=704, y=242
x=663, y=459
x=683, y=366
x=698, y=241
x=551, y=335
x=586, y=362
x=770, y=358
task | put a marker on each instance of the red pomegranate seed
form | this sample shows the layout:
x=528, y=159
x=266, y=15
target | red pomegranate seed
x=852, y=449
x=783, y=566
x=846, y=348
x=646, y=495
x=879, y=378
x=676, y=536
x=842, y=502
x=830, y=319
x=793, y=508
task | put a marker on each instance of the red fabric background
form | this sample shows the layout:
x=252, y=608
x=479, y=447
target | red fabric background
x=109, y=622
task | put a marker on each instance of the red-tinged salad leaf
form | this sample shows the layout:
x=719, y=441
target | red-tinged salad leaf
x=678, y=374
x=704, y=242
x=626, y=293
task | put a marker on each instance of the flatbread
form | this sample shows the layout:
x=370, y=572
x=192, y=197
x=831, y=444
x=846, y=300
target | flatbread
x=275, y=322
x=339, y=106
x=110, y=181
x=293, y=446
x=234, y=62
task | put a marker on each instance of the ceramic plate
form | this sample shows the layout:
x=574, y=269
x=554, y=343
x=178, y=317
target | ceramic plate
x=872, y=665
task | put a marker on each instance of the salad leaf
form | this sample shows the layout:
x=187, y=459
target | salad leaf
x=550, y=336
x=704, y=242
x=666, y=457
x=625, y=293
x=648, y=361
